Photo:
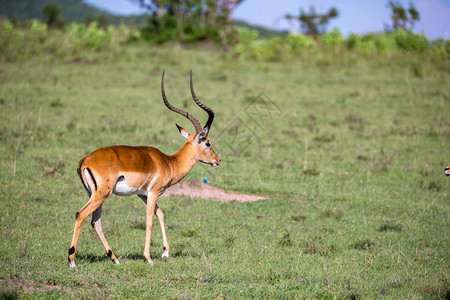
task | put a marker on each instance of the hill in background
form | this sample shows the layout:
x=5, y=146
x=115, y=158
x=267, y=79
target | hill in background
x=71, y=11
x=77, y=11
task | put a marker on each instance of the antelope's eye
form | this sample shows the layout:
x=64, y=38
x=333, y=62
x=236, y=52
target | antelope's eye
x=207, y=144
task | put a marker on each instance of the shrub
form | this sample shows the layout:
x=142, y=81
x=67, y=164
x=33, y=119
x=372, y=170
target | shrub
x=371, y=43
x=384, y=42
x=96, y=38
x=332, y=38
x=246, y=37
x=7, y=26
x=410, y=41
x=264, y=49
x=74, y=33
x=38, y=27
x=296, y=42
x=441, y=47
x=91, y=37
x=362, y=44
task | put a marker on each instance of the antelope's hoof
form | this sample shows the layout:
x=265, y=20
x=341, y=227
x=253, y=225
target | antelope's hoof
x=117, y=262
x=72, y=265
x=150, y=261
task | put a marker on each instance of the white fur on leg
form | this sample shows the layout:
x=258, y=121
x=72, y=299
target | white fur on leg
x=72, y=265
x=165, y=255
x=150, y=261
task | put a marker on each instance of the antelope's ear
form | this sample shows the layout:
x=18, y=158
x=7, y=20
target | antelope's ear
x=183, y=131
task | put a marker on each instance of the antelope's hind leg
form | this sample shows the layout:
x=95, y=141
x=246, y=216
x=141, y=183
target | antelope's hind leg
x=94, y=202
x=97, y=225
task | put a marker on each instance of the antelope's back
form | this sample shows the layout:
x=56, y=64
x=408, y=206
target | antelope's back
x=119, y=158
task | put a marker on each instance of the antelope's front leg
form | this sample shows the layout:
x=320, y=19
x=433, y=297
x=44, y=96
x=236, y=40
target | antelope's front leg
x=150, y=210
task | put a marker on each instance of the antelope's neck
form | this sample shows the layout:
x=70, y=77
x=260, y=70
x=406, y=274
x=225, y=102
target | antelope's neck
x=181, y=163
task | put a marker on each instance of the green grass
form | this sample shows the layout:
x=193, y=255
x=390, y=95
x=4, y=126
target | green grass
x=351, y=156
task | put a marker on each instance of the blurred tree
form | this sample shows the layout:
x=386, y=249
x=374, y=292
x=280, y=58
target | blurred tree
x=399, y=16
x=222, y=10
x=52, y=16
x=186, y=20
x=313, y=23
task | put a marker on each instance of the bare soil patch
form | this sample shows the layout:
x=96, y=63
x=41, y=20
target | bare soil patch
x=194, y=189
x=27, y=285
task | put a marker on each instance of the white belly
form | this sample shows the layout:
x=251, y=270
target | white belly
x=122, y=189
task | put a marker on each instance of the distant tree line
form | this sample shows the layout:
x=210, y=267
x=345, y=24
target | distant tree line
x=196, y=20
x=313, y=23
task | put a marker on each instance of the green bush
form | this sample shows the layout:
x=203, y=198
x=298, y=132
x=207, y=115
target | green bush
x=7, y=26
x=371, y=43
x=32, y=38
x=38, y=27
x=297, y=42
x=332, y=38
x=95, y=37
x=74, y=33
x=263, y=49
x=246, y=37
x=409, y=41
x=441, y=47
x=91, y=37
x=383, y=42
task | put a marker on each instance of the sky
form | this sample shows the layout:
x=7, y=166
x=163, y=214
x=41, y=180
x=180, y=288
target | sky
x=355, y=16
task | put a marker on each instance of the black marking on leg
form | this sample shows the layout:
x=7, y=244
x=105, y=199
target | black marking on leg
x=77, y=215
x=93, y=224
x=71, y=251
x=92, y=176
x=109, y=253
x=69, y=260
x=164, y=248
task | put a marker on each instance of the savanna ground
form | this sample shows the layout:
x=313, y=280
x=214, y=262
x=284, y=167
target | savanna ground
x=349, y=148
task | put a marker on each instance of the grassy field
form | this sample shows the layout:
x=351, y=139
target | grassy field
x=350, y=150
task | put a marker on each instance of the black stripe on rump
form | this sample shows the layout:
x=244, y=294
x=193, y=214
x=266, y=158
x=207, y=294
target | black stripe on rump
x=92, y=176
x=82, y=181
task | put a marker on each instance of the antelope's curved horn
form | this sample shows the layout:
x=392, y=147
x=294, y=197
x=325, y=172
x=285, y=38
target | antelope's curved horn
x=203, y=106
x=194, y=121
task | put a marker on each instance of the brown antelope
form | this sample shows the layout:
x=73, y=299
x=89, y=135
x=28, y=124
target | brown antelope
x=142, y=171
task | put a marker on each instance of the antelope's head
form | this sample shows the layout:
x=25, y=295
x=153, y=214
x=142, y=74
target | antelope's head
x=199, y=141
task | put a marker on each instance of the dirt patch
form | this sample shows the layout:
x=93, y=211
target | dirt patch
x=27, y=285
x=194, y=189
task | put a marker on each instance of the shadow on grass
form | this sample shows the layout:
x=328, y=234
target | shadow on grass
x=91, y=258
x=179, y=251
x=95, y=258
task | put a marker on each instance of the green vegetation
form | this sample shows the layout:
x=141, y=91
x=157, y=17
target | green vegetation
x=349, y=144
x=71, y=11
x=295, y=44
